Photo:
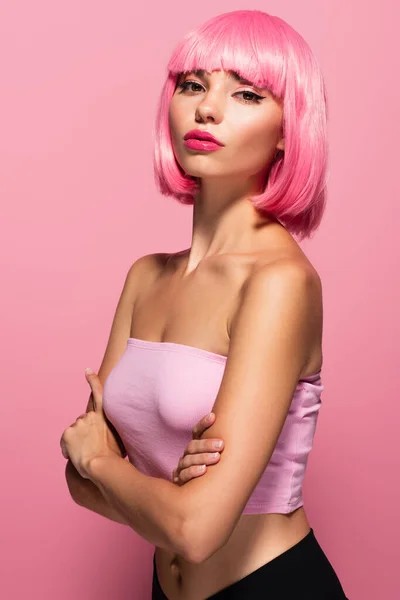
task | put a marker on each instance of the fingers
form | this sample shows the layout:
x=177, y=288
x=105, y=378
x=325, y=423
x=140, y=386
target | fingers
x=64, y=450
x=190, y=473
x=202, y=425
x=77, y=419
x=97, y=389
x=202, y=458
x=198, y=453
x=191, y=466
x=206, y=445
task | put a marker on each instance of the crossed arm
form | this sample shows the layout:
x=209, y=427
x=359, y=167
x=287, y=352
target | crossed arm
x=270, y=345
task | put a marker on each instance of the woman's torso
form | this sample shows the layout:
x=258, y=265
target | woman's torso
x=197, y=310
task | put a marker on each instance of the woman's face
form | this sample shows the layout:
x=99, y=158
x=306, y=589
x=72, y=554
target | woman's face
x=246, y=119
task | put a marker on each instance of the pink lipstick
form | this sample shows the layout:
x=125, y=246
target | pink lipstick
x=201, y=140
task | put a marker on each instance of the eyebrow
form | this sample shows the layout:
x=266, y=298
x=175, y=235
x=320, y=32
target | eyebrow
x=233, y=74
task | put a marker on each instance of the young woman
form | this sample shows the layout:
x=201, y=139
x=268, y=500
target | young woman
x=232, y=324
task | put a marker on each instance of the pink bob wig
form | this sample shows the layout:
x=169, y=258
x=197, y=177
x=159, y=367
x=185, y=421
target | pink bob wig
x=267, y=51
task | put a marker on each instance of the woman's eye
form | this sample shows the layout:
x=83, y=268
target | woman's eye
x=254, y=98
x=184, y=85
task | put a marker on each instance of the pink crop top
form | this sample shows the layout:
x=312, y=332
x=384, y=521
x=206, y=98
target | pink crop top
x=158, y=391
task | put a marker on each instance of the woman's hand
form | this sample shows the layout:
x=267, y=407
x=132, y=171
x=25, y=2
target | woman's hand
x=197, y=453
x=115, y=441
x=90, y=435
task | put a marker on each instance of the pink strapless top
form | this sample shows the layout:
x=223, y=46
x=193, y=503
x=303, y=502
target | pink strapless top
x=158, y=391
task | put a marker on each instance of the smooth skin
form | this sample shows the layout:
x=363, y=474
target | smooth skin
x=232, y=247
x=198, y=453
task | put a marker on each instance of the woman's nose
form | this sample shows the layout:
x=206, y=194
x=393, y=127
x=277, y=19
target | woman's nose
x=209, y=111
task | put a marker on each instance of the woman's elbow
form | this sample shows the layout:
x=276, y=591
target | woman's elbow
x=200, y=542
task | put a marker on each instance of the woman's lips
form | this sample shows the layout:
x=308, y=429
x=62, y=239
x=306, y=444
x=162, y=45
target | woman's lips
x=195, y=144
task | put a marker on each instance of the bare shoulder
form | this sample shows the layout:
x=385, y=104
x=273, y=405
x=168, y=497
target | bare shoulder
x=297, y=285
x=285, y=280
x=286, y=269
x=140, y=274
x=145, y=269
x=284, y=257
x=295, y=275
x=280, y=271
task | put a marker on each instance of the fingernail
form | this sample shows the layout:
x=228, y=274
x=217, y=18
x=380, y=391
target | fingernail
x=201, y=467
x=217, y=444
x=88, y=370
x=210, y=416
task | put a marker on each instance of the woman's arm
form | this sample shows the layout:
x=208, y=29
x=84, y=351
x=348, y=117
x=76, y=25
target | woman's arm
x=86, y=494
x=152, y=506
x=83, y=491
x=270, y=345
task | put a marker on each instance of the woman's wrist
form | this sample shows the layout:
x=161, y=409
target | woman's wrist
x=85, y=493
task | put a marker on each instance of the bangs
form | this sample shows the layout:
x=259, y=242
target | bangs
x=269, y=53
x=239, y=42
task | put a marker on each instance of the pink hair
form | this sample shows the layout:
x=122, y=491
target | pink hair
x=270, y=53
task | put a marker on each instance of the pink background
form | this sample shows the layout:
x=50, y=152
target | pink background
x=79, y=85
